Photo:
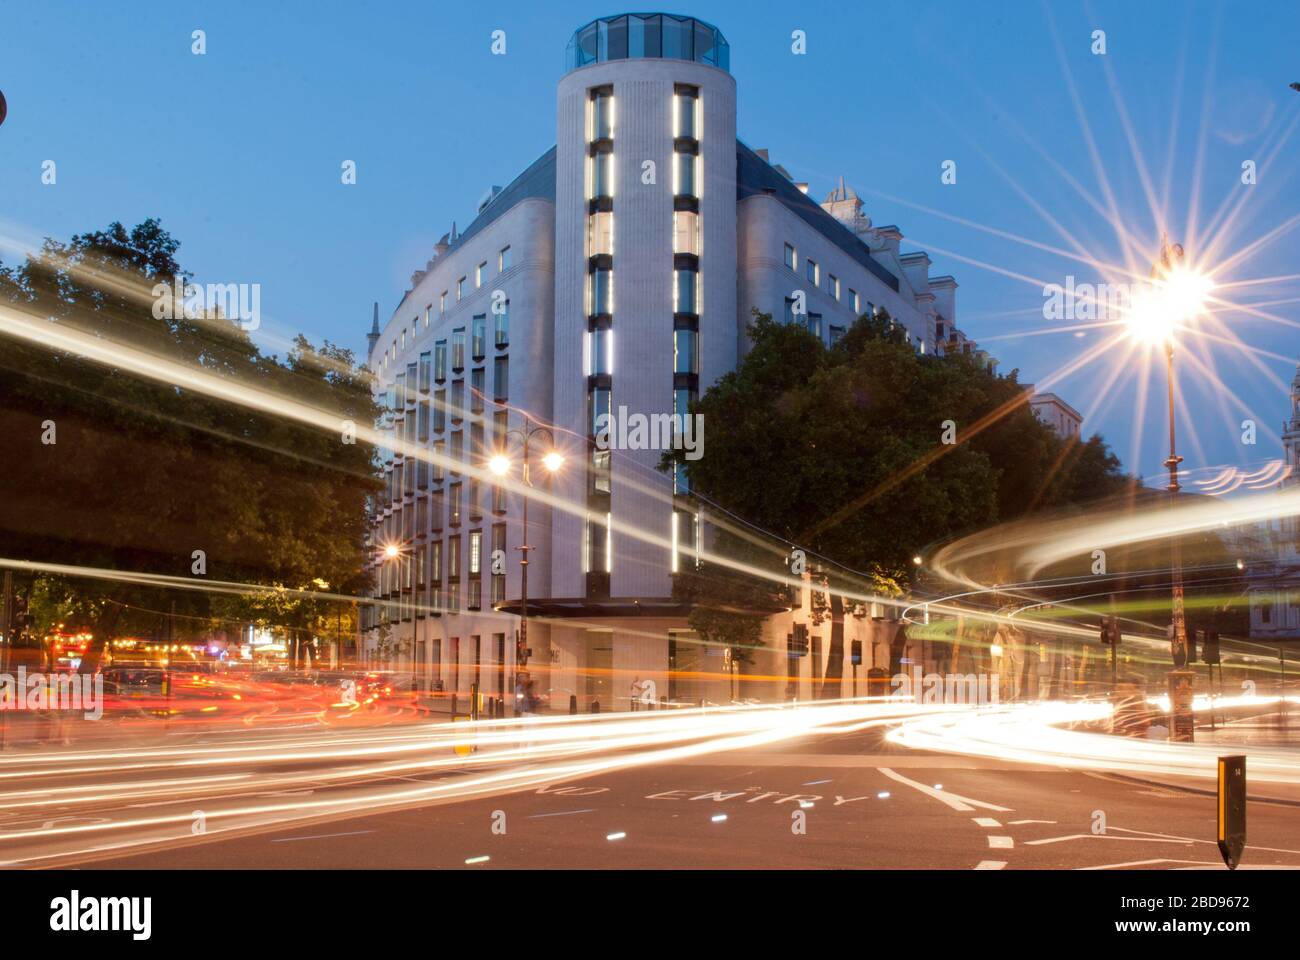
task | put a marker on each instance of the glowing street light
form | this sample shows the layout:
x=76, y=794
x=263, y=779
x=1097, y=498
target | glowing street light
x=1177, y=295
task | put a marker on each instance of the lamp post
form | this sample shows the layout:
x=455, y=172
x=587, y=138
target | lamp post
x=500, y=465
x=1176, y=295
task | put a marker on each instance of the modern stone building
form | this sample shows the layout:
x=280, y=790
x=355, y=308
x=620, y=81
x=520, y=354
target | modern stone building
x=615, y=276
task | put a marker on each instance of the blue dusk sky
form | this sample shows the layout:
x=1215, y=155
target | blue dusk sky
x=238, y=152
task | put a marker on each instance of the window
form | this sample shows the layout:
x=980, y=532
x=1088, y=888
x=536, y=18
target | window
x=833, y=282
x=440, y=361
x=684, y=115
x=427, y=310
x=501, y=324
x=458, y=349
x=599, y=407
x=685, y=232
x=602, y=116
x=411, y=382
x=815, y=325
x=435, y=562
x=602, y=292
x=602, y=350
x=457, y=401
x=853, y=300
x=457, y=454
x=423, y=415
x=475, y=553
x=791, y=258
x=439, y=459
x=442, y=304
x=684, y=174
x=426, y=364
x=453, y=559
x=453, y=518
x=475, y=498
x=685, y=351
x=460, y=289
x=501, y=379
x=503, y=260
x=813, y=272
x=500, y=425
x=600, y=234
x=602, y=175
x=684, y=291
x=789, y=310
x=478, y=336
x=498, y=498
x=479, y=273
x=477, y=389
x=837, y=334
x=440, y=411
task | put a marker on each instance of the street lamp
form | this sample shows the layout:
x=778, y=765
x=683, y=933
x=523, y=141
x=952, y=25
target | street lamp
x=499, y=464
x=1176, y=295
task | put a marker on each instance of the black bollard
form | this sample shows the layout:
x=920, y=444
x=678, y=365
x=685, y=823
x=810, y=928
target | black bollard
x=573, y=703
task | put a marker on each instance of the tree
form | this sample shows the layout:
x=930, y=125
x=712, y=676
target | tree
x=147, y=478
x=842, y=451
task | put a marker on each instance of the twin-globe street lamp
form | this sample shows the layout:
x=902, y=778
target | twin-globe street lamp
x=500, y=464
x=1177, y=294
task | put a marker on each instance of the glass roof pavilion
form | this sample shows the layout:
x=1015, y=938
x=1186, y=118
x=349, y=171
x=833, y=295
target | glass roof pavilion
x=638, y=35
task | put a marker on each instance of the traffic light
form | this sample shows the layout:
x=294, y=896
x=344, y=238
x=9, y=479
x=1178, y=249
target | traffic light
x=1110, y=632
x=522, y=652
x=855, y=652
x=1210, y=649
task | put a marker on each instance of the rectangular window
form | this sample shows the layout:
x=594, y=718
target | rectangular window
x=422, y=434
x=498, y=498
x=427, y=310
x=834, y=284
x=457, y=401
x=457, y=454
x=478, y=339
x=453, y=508
x=440, y=361
x=599, y=403
x=600, y=234
x=684, y=116
x=442, y=304
x=501, y=379
x=501, y=324
x=439, y=459
x=503, y=260
x=684, y=175
x=815, y=325
x=685, y=351
x=602, y=117
x=498, y=579
x=477, y=389
x=813, y=272
x=475, y=553
x=791, y=258
x=458, y=349
x=500, y=425
x=439, y=411
x=453, y=559
x=475, y=489
x=837, y=334
x=480, y=274
x=435, y=562
x=602, y=350
x=602, y=292
x=460, y=289
x=853, y=300
x=685, y=232
x=684, y=292
x=426, y=370
x=602, y=175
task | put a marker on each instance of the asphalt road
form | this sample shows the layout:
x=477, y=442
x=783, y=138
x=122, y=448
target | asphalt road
x=843, y=801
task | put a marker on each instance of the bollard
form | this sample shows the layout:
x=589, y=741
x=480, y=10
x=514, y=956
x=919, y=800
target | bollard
x=573, y=704
x=595, y=706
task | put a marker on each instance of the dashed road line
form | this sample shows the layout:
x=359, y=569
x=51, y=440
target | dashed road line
x=1001, y=843
x=986, y=821
x=990, y=865
x=954, y=800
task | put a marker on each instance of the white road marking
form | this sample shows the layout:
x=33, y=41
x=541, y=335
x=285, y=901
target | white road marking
x=1143, y=863
x=986, y=821
x=1001, y=843
x=954, y=800
x=563, y=813
x=1102, y=836
x=321, y=836
x=990, y=865
x=1015, y=823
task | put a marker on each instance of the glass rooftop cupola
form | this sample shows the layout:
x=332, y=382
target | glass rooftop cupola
x=645, y=35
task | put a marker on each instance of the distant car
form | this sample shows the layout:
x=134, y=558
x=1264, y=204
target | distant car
x=135, y=681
